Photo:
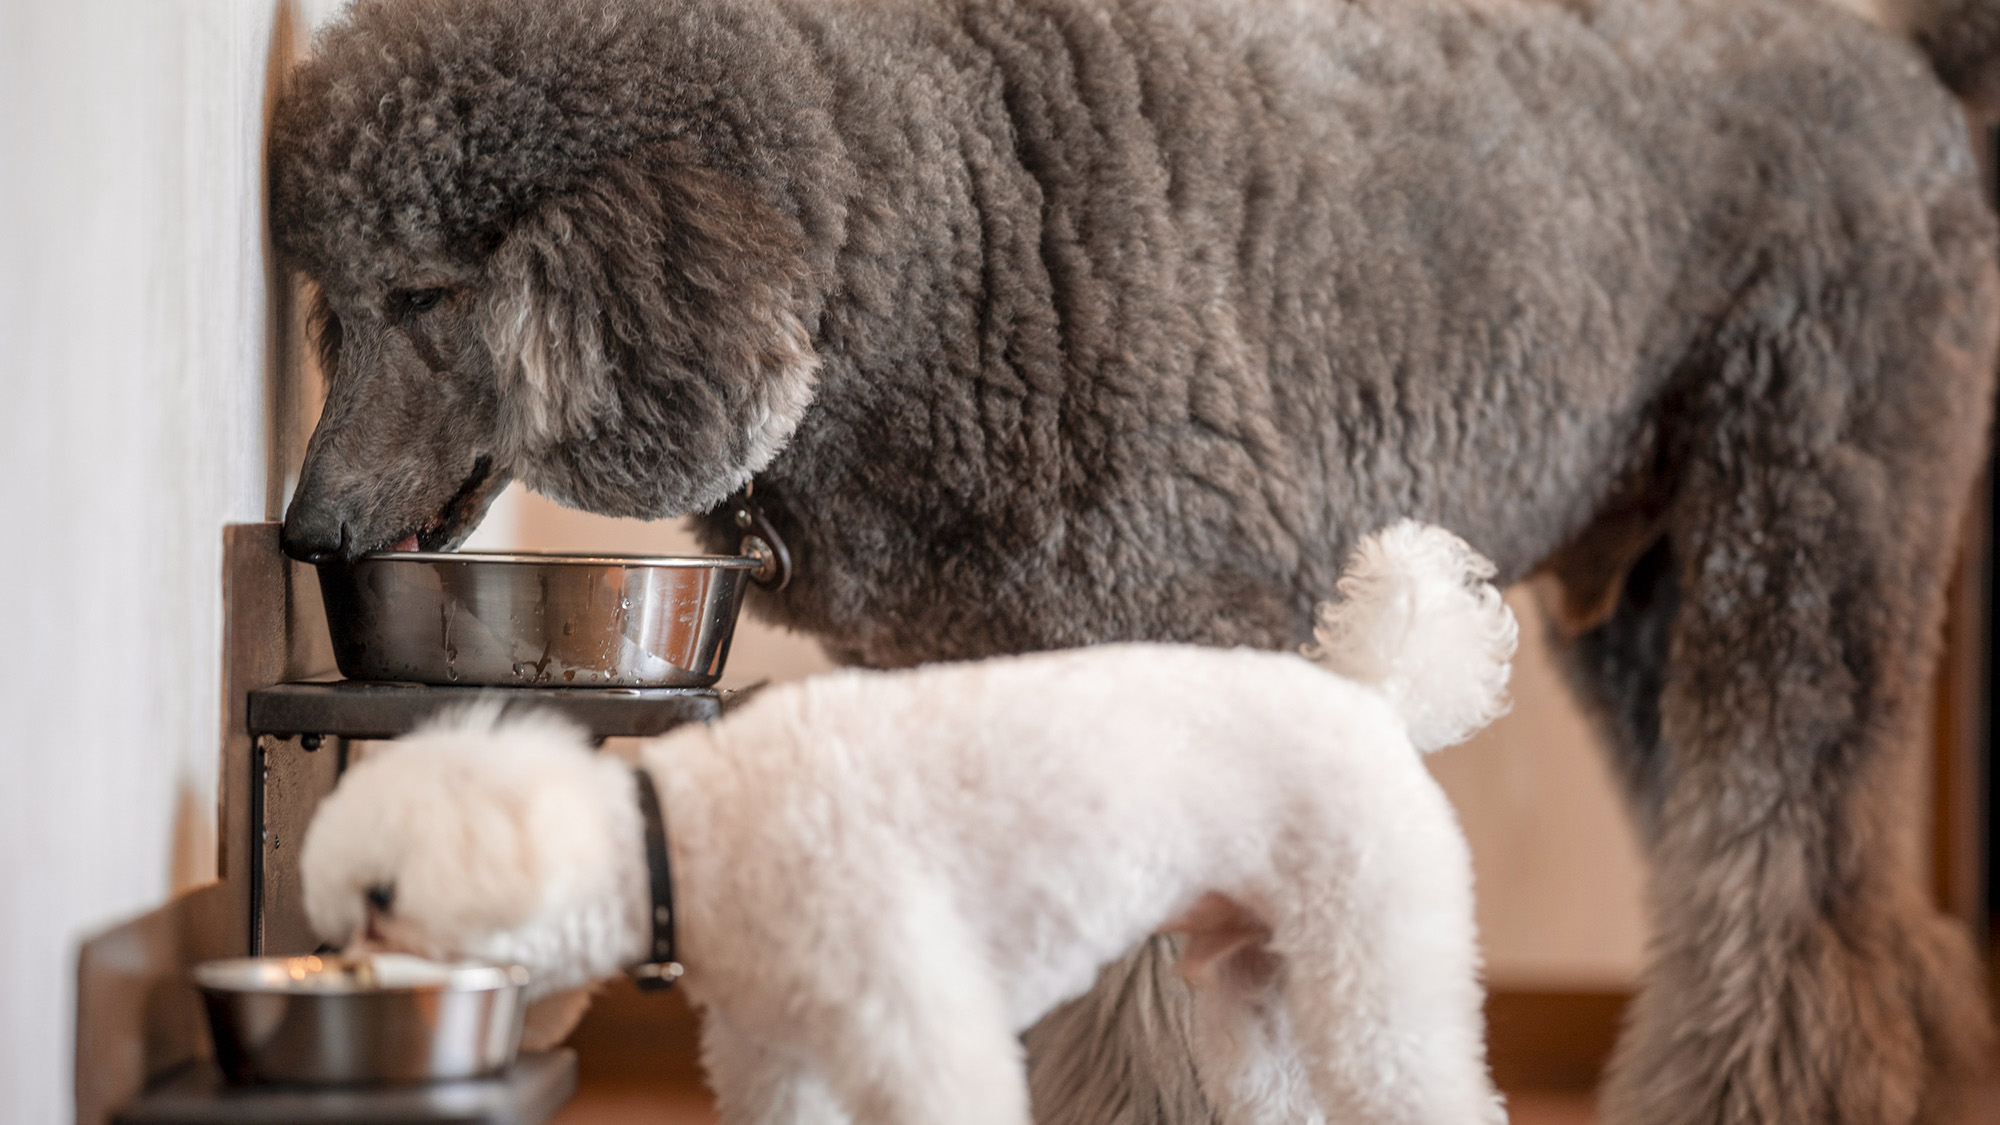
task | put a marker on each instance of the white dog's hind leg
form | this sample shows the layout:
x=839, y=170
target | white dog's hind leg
x=1381, y=980
x=757, y=1084
x=1395, y=1055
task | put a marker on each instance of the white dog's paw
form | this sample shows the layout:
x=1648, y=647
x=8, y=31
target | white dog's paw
x=553, y=1017
x=504, y=839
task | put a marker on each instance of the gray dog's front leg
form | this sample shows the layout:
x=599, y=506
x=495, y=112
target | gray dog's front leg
x=1120, y=1054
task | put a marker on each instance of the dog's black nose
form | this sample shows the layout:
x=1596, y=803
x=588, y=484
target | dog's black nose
x=382, y=896
x=313, y=538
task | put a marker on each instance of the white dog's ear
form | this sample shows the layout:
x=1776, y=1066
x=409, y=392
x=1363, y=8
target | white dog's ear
x=648, y=330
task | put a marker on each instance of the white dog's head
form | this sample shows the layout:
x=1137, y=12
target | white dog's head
x=475, y=837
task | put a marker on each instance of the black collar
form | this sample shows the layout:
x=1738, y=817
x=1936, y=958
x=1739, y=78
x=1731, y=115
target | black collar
x=660, y=970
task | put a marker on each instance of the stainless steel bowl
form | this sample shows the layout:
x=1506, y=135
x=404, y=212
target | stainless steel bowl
x=439, y=617
x=305, y=1020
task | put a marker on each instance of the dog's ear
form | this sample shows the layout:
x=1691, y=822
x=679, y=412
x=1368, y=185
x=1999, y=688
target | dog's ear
x=649, y=331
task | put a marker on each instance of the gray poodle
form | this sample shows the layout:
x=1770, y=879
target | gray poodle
x=1052, y=322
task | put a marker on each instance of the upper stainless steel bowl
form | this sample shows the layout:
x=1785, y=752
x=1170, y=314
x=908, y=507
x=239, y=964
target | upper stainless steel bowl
x=440, y=617
x=304, y=1020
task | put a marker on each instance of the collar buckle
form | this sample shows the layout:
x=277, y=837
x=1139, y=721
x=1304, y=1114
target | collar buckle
x=655, y=976
x=760, y=541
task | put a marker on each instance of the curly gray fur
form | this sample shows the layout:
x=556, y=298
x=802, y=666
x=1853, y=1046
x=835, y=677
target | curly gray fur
x=1962, y=37
x=1052, y=322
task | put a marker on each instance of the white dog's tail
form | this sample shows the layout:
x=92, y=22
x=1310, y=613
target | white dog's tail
x=1418, y=621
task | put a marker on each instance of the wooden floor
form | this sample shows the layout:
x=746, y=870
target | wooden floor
x=638, y=1063
x=677, y=1104
x=687, y=1103
x=681, y=1104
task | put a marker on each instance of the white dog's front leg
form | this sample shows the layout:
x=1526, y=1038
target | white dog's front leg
x=756, y=1084
x=553, y=1017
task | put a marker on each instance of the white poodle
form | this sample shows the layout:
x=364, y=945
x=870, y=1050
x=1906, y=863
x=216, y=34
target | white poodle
x=880, y=878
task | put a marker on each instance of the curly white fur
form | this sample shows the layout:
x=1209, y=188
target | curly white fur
x=884, y=877
x=1418, y=620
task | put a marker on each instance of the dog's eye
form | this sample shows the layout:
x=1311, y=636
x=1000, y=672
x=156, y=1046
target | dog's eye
x=382, y=896
x=408, y=304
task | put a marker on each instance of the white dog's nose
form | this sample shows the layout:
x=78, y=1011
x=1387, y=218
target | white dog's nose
x=369, y=935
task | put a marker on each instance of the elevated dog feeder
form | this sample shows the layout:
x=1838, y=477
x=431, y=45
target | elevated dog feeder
x=310, y=714
x=351, y=710
x=289, y=725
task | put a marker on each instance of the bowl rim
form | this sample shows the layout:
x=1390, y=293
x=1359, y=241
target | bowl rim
x=270, y=976
x=539, y=558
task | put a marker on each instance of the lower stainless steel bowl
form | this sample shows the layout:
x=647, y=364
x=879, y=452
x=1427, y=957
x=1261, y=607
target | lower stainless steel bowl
x=509, y=620
x=307, y=1020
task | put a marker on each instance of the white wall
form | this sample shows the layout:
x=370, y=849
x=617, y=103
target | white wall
x=135, y=421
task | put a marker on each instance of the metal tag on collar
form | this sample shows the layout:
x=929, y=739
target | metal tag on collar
x=760, y=541
x=655, y=976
